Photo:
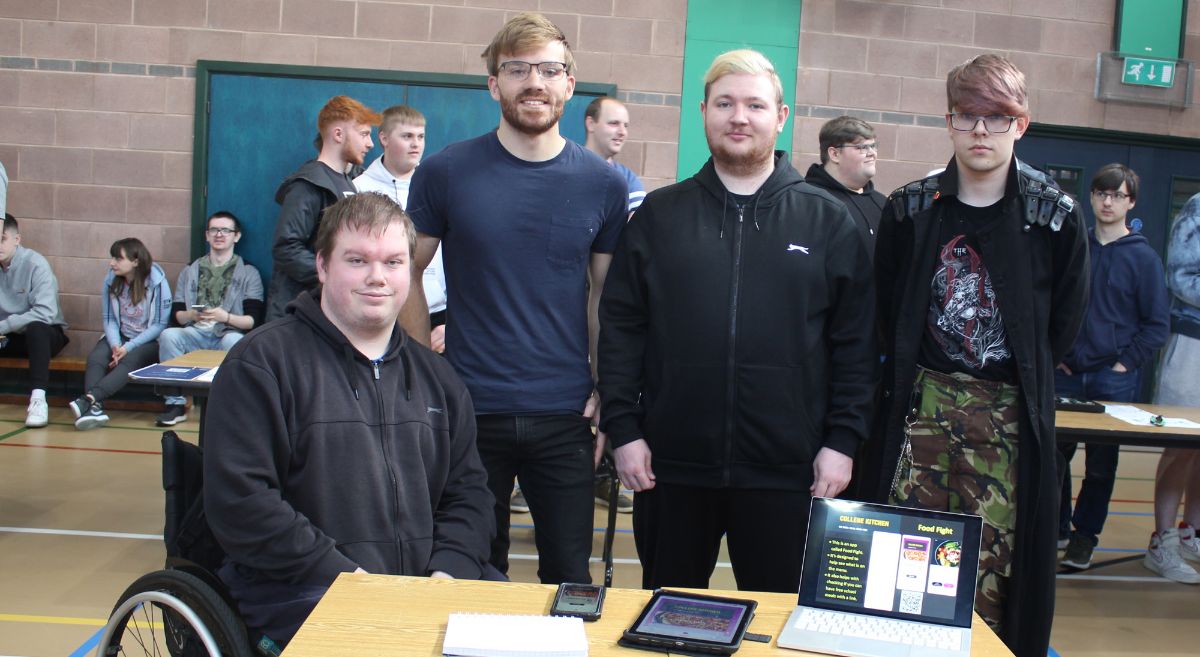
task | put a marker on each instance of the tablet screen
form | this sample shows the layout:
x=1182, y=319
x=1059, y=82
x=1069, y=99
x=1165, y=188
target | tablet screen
x=693, y=619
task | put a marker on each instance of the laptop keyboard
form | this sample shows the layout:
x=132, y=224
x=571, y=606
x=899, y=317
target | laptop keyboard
x=880, y=629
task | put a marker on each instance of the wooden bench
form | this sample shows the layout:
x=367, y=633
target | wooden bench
x=58, y=364
x=70, y=364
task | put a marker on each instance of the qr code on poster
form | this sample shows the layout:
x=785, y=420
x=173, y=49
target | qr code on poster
x=910, y=602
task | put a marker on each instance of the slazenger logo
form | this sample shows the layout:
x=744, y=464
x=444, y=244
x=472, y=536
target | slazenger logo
x=434, y=409
x=797, y=247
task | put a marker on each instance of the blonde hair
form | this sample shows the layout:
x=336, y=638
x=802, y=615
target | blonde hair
x=743, y=61
x=400, y=114
x=523, y=32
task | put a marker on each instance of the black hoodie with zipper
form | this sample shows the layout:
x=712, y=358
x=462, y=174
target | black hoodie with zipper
x=318, y=461
x=738, y=341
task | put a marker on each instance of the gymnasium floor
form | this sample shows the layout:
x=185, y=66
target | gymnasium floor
x=81, y=518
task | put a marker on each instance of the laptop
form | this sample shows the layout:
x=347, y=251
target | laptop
x=885, y=581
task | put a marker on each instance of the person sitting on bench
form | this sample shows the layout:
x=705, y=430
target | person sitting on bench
x=218, y=298
x=135, y=307
x=31, y=322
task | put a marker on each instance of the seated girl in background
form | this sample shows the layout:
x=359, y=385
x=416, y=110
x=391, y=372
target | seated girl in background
x=136, y=308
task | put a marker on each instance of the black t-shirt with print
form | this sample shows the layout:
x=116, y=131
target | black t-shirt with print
x=963, y=330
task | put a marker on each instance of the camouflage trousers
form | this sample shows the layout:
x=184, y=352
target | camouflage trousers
x=963, y=459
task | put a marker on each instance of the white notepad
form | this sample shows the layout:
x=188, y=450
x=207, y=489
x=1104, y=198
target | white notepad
x=498, y=635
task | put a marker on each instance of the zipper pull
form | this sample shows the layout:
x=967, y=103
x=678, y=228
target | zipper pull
x=740, y=212
x=375, y=364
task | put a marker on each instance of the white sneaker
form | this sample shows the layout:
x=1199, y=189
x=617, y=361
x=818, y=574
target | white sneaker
x=1189, y=544
x=1163, y=558
x=37, y=414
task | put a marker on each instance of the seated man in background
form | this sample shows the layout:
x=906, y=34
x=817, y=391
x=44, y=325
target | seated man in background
x=31, y=323
x=218, y=298
x=342, y=445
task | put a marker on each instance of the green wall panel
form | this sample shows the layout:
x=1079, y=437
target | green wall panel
x=771, y=27
x=1151, y=28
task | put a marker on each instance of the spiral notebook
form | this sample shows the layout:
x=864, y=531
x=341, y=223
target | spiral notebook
x=498, y=635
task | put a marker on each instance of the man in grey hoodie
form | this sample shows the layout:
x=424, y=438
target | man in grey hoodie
x=31, y=323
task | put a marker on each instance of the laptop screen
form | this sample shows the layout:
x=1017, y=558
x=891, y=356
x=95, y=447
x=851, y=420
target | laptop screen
x=891, y=561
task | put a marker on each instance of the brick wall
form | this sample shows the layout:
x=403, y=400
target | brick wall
x=96, y=100
x=96, y=96
x=887, y=62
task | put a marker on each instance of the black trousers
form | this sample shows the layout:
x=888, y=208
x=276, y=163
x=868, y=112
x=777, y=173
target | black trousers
x=39, y=342
x=678, y=529
x=552, y=455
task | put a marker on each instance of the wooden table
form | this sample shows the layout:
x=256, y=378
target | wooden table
x=386, y=616
x=1102, y=428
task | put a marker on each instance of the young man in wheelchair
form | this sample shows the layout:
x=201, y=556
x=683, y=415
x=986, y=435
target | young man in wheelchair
x=337, y=444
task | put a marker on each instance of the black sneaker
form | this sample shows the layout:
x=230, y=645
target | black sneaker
x=1079, y=552
x=94, y=418
x=174, y=414
x=80, y=406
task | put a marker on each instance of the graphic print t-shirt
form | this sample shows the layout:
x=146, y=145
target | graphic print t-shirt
x=963, y=330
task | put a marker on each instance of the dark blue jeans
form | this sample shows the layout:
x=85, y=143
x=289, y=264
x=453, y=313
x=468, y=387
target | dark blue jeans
x=552, y=455
x=1100, y=469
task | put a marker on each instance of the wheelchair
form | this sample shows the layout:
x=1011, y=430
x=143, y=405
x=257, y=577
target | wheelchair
x=183, y=610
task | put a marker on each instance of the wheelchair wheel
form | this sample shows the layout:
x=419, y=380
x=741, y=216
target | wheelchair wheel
x=170, y=612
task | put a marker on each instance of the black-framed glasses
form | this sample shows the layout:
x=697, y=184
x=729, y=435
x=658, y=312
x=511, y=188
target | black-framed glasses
x=996, y=124
x=221, y=230
x=862, y=148
x=518, y=70
x=1109, y=196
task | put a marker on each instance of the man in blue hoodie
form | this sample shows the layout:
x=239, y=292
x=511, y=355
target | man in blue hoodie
x=1127, y=321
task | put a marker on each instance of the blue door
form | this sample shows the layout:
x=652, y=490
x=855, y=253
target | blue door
x=1166, y=173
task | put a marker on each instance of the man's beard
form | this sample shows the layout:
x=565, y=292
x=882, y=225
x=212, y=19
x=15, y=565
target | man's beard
x=746, y=163
x=351, y=154
x=510, y=108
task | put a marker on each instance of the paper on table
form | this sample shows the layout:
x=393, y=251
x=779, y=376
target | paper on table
x=498, y=635
x=1135, y=415
x=208, y=376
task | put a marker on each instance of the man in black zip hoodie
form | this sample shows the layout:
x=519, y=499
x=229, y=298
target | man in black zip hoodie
x=849, y=152
x=737, y=355
x=338, y=444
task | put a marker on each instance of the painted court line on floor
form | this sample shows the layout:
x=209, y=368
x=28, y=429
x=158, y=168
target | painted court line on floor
x=83, y=449
x=80, y=532
x=53, y=620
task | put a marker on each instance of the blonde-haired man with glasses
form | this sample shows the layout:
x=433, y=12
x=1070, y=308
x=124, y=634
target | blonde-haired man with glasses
x=529, y=221
x=982, y=280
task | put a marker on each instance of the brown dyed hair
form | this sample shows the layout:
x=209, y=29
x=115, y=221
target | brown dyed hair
x=345, y=108
x=523, y=32
x=133, y=249
x=368, y=211
x=987, y=84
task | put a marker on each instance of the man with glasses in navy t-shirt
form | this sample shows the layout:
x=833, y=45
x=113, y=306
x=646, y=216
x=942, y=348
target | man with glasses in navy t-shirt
x=528, y=221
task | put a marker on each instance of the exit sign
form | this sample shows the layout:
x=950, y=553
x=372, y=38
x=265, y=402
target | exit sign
x=1148, y=72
